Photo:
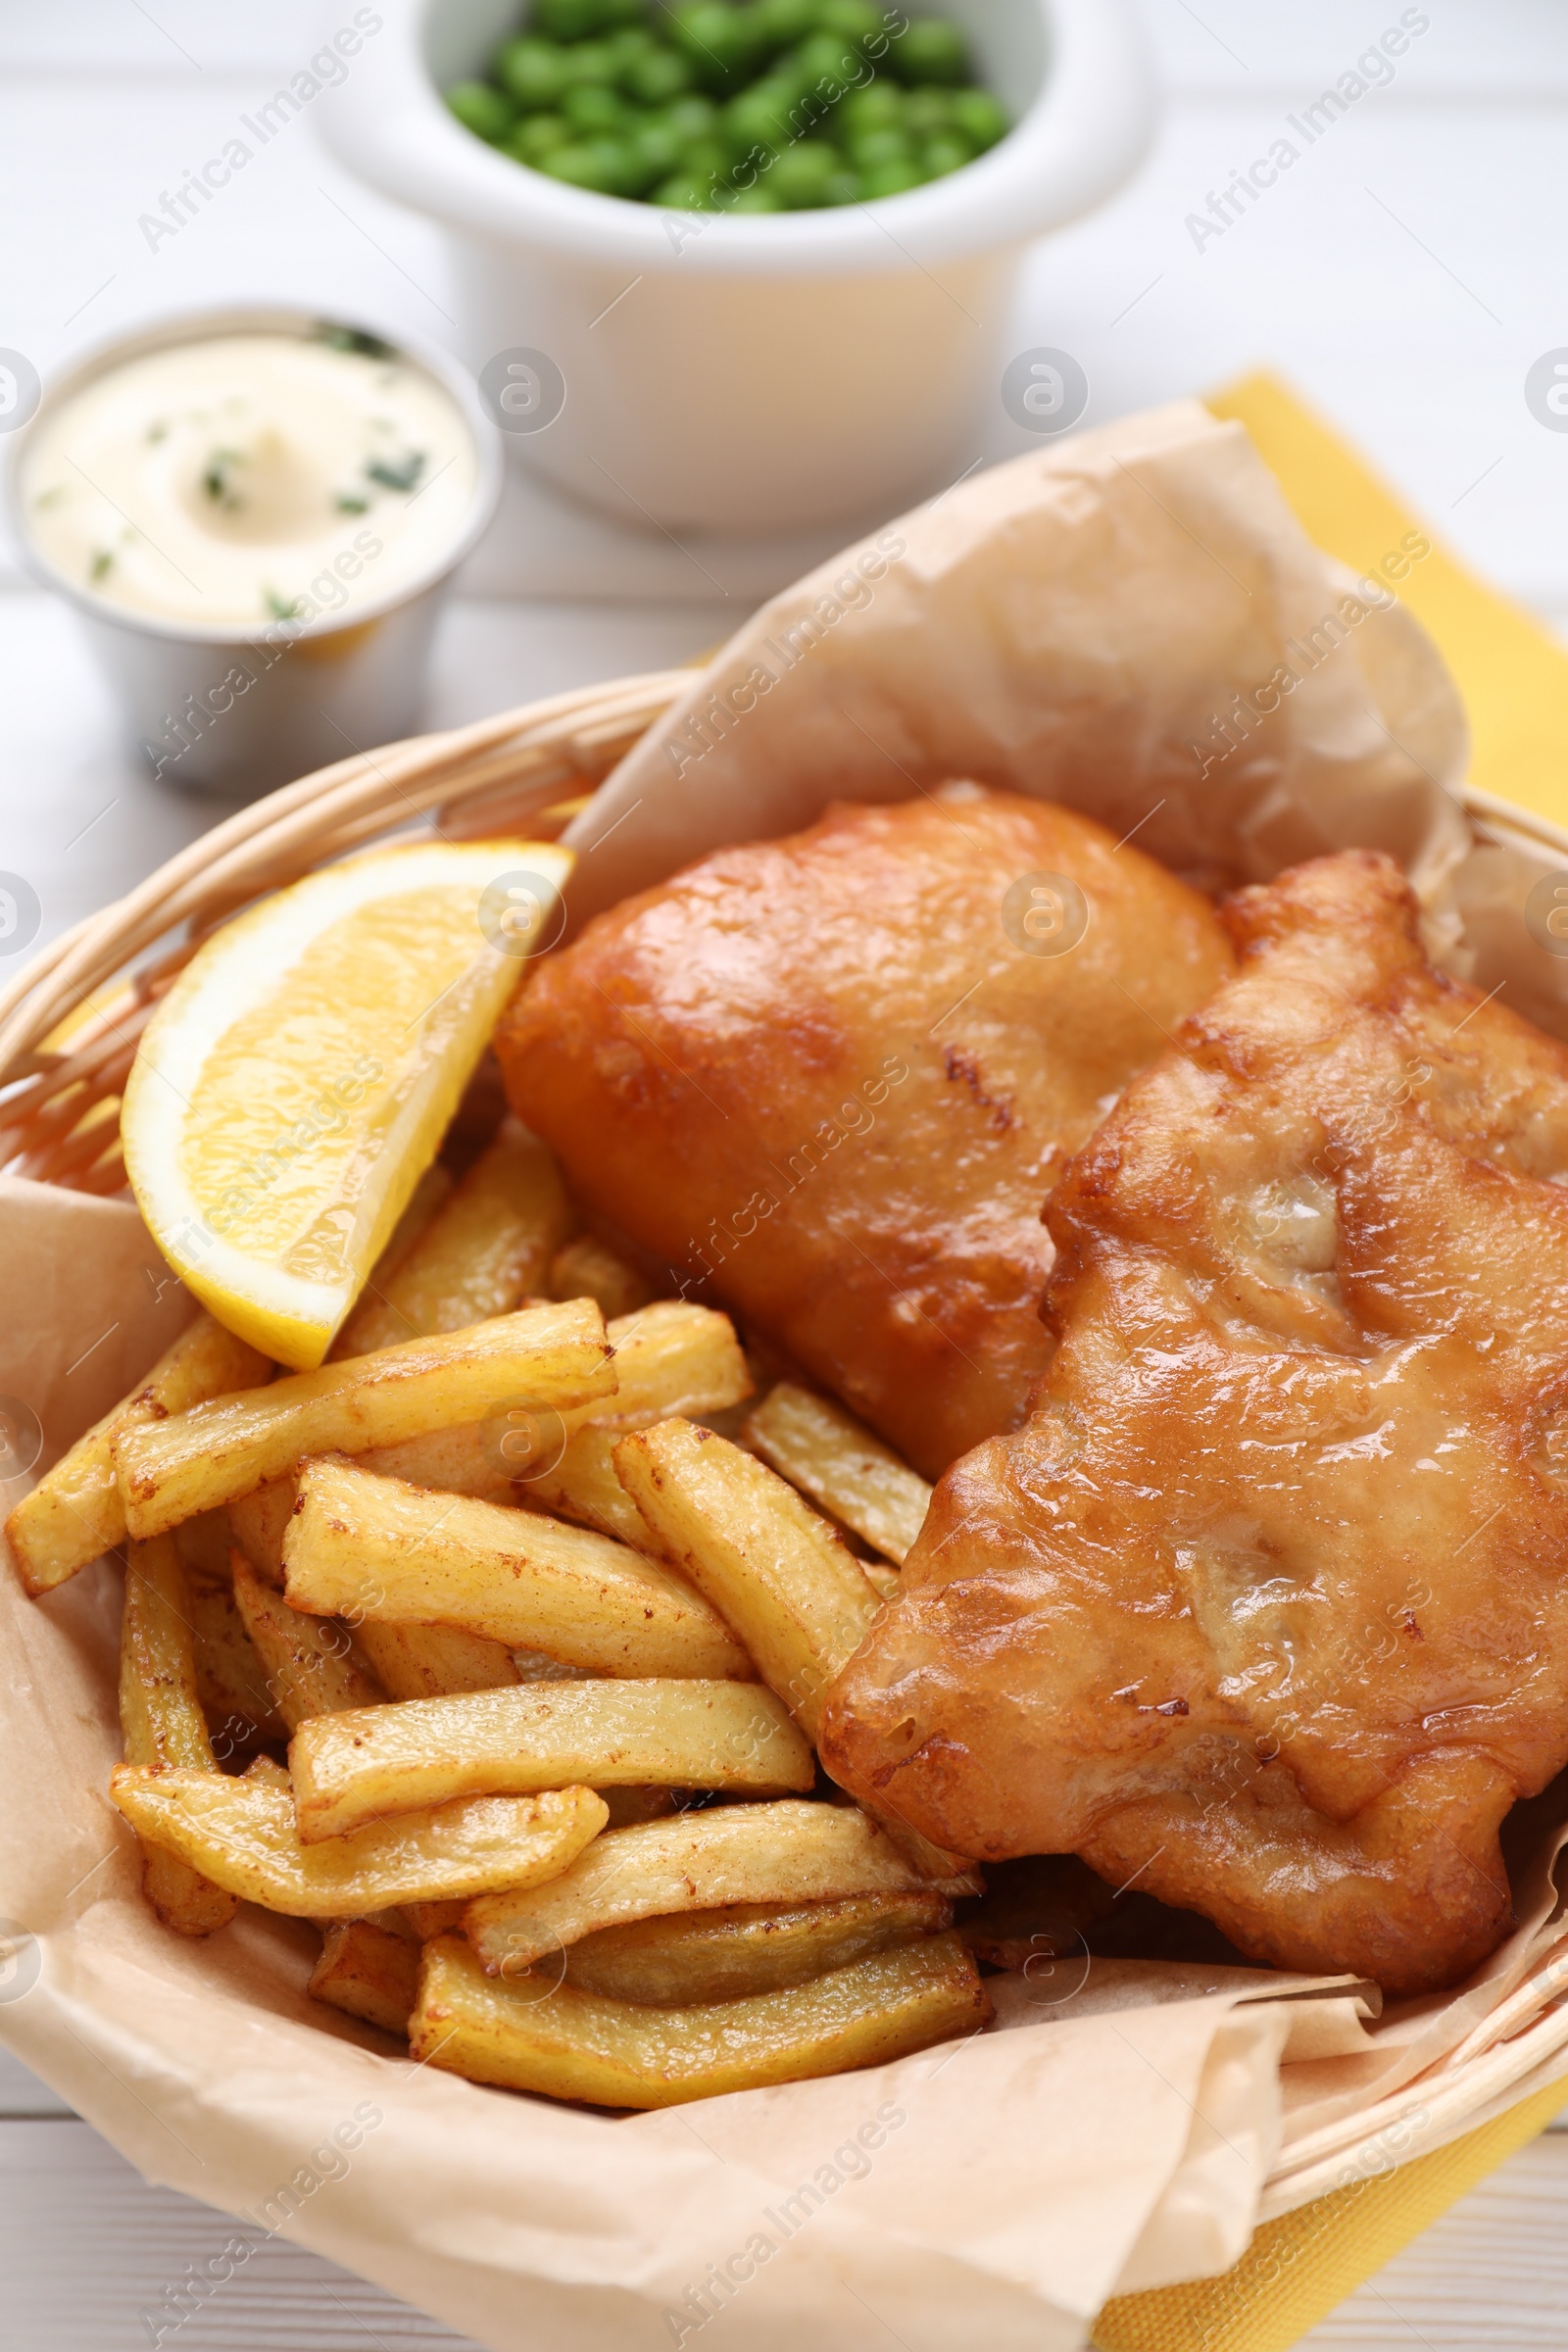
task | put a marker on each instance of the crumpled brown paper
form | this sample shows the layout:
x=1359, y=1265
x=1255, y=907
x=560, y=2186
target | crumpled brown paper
x=1101, y=623
x=1131, y=620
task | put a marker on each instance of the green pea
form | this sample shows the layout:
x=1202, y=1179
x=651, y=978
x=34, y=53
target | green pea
x=685, y=193
x=630, y=13
x=800, y=175
x=587, y=61
x=605, y=166
x=867, y=149
x=828, y=62
x=841, y=187
x=759, y=199
x=891, y=179
x=707, y=159
x=532, y=73
x=659, y=148
x=624, y=49
x=657, y=77
x=761, y=116
x=482, y=110
x=569, y=20
x=537, y=136
x=944, y=154
x=594, y=110
x=780, y=23
x=579, y=20
x=718, y=41
x=976, y=114
x=695, y=118
x=854, y=20
x=927, y=114
x=930, y=50
x=876, y=106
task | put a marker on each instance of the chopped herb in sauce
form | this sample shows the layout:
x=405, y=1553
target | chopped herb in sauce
x=103, y=558
x=347, y=502
x=353, y=338
x=158, y=431
x=282, y=608
x=401, y=474
x=215, y=479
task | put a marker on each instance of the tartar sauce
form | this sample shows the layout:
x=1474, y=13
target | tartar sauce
x=251, y=478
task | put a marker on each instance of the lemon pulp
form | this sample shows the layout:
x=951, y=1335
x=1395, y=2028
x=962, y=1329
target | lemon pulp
x=297, y=1080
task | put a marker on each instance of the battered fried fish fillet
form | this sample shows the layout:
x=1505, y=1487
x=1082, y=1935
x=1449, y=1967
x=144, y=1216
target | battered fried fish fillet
x=826, y=1077
x=1267, y=1605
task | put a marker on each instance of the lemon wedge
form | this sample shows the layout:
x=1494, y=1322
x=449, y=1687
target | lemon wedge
x=296, y=1082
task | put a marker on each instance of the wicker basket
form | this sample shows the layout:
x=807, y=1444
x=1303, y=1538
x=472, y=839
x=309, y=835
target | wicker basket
x=525, y=772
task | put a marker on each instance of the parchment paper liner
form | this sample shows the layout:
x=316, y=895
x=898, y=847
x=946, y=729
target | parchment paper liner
x=1078, y=623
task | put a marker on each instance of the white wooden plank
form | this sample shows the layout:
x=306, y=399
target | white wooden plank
x=21, y=2095
x=1248, y=45
x=91, y=2259
x=167, y=38
x=1493, y=2271
x=1390, y=275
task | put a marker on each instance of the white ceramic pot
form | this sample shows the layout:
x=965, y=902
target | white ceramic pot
x=749, y=372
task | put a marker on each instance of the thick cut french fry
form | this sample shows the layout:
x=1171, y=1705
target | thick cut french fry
x=789, y=1852
x=471, y=1459
x=532, y=2035
x=203, y=1544
x=162, y=1725
x=429, y=1195
x=75, y=1511
x=353, y=1768
x=489, y=1246
x=746, y=1948
x=834, y=1458
x=585, y=1486
x=241, y=1833
x=311, y=1668
x=256, y=1522
x=434, y=1661
x=544, y=1358
x=230, y=1679
x=368, y=1971
x=771, y=1566
x=670, y=1357
x=586, y=1268
x=394, y=1552
x=430, y=1920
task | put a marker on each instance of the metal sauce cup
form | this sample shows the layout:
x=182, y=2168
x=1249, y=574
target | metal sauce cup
x=241, y=707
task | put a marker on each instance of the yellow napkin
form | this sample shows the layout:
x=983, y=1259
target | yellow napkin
x=1297, y=2269
x=1514, y=679
x=1512, y=673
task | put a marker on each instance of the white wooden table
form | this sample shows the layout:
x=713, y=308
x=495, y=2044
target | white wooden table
x=1404, y=272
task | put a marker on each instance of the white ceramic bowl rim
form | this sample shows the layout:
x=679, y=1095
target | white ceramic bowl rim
x=1084, y=132
x=242, y=319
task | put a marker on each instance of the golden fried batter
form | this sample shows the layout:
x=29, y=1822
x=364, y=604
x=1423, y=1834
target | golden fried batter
x=1267, y=1605
x=825, y=1077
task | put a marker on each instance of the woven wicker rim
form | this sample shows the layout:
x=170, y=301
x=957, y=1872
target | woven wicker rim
x=503, y=776
x=59, y=1125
